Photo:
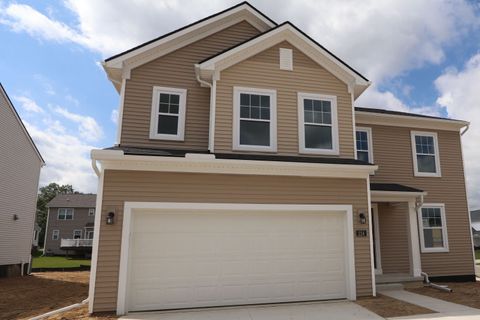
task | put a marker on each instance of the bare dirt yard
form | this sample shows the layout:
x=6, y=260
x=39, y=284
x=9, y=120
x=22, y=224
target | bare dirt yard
x=466, y=293
x=25, y=297
x=389, y=307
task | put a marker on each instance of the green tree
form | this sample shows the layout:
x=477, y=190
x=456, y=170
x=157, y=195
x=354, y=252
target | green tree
x=45, y=195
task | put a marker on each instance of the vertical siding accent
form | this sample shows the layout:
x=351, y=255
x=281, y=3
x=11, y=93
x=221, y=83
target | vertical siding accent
x=19, y=174
x=262, y=71
x=393, y=153
x=176, y=70
x=393, y=228
x=121, y=186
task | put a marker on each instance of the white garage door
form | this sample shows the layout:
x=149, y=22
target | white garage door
x=196, y=259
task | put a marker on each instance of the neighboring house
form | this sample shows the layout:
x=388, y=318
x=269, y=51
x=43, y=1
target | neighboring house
x=70, y=222
x=20, y=164
x=475, y=219
x=36, y=233
x=243, y=174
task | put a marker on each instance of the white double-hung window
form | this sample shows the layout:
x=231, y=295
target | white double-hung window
x=363, y=140
x=433, y=227
x=168, y=113
x=255, y=119
x=65, y=214
x=318, y=129
x=426, y=159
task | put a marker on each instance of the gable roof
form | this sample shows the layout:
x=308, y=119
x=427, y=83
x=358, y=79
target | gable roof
x=119, y=65
x=17, y=116
x=285, y=32
x=73, y=201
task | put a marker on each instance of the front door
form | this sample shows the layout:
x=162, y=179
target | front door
x=377, y=260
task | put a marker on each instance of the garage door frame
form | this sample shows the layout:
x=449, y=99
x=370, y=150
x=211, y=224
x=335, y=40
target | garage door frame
x=131, y=207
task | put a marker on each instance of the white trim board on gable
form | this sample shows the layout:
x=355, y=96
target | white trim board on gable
x=285, y=32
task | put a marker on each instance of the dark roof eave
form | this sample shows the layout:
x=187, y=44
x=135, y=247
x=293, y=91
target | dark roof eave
x=405, y=114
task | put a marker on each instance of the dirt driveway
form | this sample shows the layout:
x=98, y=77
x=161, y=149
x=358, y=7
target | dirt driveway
x=25, y=297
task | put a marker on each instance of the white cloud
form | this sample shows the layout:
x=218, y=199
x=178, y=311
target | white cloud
x=114, y=116
x=459, y=94
x=28, y=104
x=87, y=126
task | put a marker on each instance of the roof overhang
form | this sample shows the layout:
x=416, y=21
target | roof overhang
x=207, y=163
x=410, y=121
x=210, y=68
x=395, y=196
x=119, y=66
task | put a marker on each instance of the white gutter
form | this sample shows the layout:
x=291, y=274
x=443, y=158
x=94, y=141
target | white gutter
x=64, y=309
x=95, y=167
x=213, y=90
x=466, y=129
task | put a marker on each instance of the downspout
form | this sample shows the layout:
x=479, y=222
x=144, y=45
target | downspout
x=466, y=129
x=95, y=167
x=213, y=87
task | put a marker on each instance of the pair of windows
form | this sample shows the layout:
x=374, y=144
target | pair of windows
x=255, y=121
x=65, y=214
x=432, y=223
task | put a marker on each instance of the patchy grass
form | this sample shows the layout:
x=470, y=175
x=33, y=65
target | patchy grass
x=477, y=254
x=58, y=262
x=389, y=307
x=25, y=297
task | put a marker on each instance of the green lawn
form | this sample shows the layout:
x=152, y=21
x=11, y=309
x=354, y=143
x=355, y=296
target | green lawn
x=58, y=262
x=477, y=254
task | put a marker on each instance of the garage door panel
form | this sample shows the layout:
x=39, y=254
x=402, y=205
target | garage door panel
x=192, y=259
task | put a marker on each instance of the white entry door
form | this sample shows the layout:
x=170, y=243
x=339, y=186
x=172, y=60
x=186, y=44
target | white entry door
x=196, y=259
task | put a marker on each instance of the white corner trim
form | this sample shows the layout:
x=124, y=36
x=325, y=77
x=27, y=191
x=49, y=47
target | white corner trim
x=96, y=240
x=213, y=111
x=116, y=160
x=369, y=142
x=131, y=207
x=370, y=237
x=155, y=113
x=301, y=96
x=445, y=247
x=46, y=232
x=120, y=111
x=417, y=173
x=376, y=242
x=272, y=122
x=414, y=244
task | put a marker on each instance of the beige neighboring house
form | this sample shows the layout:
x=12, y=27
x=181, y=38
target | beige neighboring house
x=20, y=164
x=243, y=174
x=70, y=223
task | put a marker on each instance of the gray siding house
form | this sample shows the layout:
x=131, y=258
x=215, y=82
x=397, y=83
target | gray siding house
x=475, y=218
x=70, y=224
x=20, y=163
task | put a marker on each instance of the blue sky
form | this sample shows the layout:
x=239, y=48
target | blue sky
x=422, y=56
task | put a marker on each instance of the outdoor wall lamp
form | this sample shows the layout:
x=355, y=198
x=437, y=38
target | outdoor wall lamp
x=363, y=218
x=110, y=217
x=15, y=217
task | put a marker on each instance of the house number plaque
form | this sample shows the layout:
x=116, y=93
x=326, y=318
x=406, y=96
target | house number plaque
x=362, y=233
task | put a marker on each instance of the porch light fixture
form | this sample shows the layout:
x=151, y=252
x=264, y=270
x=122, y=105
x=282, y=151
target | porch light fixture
x=363, y=218
x=110, y=217
x=15, y=217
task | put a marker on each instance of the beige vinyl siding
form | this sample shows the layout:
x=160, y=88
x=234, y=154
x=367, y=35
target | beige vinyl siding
x=392, y=151
x=263, y=71
x=121, y=186
x=393, y=229
x=19, y=174
x=176, y=70
x=66, y=227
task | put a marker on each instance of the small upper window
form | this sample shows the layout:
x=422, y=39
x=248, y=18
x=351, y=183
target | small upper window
x=168, y=113
x=364, y=144
x=55, y=234
x=65, y=214
x=91, y=211
x=426, y=160
x=255, y=119
x=433, y=228
x=77, y=234
x=317, y=116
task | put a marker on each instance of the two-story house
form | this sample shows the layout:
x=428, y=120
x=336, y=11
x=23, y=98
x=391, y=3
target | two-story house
x=20, y=165
x=243, y=174
x=70, y=224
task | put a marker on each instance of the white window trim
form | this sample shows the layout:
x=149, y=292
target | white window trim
x=445, y=247
x=58, y=214
x=438, y=173
x=369, y=142
x=91, y=212
x=301, y=124
x=75, y=230
x=155, y=111
x=236, y=119
x=55, y=233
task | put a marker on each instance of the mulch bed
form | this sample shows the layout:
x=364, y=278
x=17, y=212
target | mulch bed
x=465, y=293
x=389, y=307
